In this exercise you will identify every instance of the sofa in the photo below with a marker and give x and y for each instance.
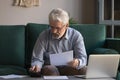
(17, 42)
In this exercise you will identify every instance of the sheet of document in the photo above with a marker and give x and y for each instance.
(12, 76)
(55, 77)
(61, 58)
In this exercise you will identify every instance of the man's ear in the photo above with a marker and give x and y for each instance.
(67, 25)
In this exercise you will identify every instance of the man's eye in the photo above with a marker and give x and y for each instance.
(52, 27)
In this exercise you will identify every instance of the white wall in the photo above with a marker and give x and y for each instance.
(16, 15)
(83, 11)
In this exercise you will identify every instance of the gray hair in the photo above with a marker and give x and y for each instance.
(59, 15)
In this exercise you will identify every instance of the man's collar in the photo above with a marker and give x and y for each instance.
(65, 35)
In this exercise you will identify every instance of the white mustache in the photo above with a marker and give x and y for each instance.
(56, 35)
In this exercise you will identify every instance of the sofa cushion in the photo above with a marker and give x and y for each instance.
(32, 32)
(12, 45)
(93, 34)
(9, 69)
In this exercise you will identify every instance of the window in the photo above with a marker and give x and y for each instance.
(109, 14)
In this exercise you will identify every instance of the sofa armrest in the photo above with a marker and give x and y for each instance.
(104, 51)
(113, 43)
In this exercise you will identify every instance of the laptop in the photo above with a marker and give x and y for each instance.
(102, 66)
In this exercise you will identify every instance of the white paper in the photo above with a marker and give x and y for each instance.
(12, 76)
(55, 77)
(61, 58)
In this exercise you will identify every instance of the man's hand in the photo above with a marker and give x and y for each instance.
(35, 69)
(74, 63)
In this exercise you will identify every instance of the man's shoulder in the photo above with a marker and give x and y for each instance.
(73, 31)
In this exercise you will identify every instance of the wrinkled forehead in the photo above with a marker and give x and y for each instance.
(56, 23)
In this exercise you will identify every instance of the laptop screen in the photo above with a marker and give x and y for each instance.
(102, 66)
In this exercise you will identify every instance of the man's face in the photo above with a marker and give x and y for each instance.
(57, 29)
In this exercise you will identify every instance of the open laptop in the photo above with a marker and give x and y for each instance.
(102, 66)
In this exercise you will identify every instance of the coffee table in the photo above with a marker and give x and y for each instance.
(41, 78)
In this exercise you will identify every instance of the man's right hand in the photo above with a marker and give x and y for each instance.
(35, 69)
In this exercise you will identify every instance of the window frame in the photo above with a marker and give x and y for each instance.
(112, 22)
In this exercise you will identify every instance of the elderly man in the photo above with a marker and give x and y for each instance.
(59, 38)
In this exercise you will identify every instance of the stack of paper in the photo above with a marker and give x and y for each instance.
(55, 77)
